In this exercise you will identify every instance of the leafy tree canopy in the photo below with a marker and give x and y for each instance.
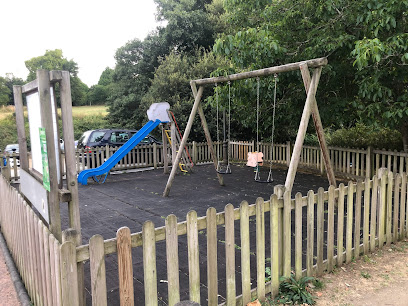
(365, 41)
(54, 60)
(106, 77)
(171, 84)
(190, 25)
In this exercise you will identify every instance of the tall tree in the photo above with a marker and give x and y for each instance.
(4, 92)
(54, 60)
(171, 84)
(365, 42)
(135, 65)
(191, 25)
(11, 80)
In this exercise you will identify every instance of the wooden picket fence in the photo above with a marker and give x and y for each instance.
(348, 163)
(341, 224)
(36, 252)
(322, 230)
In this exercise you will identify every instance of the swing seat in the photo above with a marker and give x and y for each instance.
(221, 170)
(255, 159)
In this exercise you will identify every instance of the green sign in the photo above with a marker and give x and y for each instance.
(44, 156)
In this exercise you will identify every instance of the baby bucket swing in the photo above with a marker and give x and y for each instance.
(227, 169)
(255, 159)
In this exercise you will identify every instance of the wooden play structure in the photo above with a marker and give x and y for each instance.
(171, 135)
(309, 109)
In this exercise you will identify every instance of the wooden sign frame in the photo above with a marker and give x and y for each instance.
(57, 194)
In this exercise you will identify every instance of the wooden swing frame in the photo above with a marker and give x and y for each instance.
(310, 108)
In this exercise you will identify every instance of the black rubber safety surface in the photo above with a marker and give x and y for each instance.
(130, 199)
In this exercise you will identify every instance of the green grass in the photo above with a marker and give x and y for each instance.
(83, 111)
(84, 118)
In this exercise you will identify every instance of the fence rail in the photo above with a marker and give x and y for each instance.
(349, 163)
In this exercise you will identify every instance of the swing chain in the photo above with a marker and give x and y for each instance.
(257, 170)
(228, 169)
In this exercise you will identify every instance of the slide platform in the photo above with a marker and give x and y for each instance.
(119, 154)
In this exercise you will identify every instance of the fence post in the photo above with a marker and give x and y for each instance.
(154, 155)
(71, 235)
(321, 163)
(195, 153)
(368, 162)
(288, 153)
(69, 275)
(107, 151)
(7, 169)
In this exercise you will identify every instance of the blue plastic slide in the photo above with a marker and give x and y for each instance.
(119, 154)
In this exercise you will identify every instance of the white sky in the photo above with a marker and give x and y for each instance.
(87, 31)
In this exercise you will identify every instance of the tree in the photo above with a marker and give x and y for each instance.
(135, 65)
(366, 39)
(4, 92)
(11, 80)
(106, 77)
(54, 60)
(190, 26)
(171, 84)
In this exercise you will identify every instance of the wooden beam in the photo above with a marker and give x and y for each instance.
(313, 63)
(70, 160)
(71, 173)
(208, 136)
(56, 75)
(29, 87)
(43, 78)
(319, 127)
(183, 141)
(297, 150)
(165, 146)
(173, 143)
(22, 139)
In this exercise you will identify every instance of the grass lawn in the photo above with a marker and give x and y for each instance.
(84, 118)
(77, 111)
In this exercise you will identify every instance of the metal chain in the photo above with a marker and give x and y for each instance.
(218, 134)
(257, 115)
(229, 119)
(273, 121)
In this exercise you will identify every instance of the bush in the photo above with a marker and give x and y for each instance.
(82, 124)
(359, 136)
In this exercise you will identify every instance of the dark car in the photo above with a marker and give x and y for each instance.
(111, 137)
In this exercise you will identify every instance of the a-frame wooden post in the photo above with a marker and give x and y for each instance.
(307, 110)
(208, 136)
(183, 141)
(319, 128)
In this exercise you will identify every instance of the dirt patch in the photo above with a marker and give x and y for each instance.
(380, 278)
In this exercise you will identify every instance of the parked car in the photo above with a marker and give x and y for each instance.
(10, 149)
(111, 137)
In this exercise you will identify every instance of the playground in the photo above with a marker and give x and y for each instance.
(225, 233)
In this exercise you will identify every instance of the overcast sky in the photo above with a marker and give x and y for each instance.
(87, 31)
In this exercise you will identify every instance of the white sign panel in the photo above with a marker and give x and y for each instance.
(34, 119)
(35, 192)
